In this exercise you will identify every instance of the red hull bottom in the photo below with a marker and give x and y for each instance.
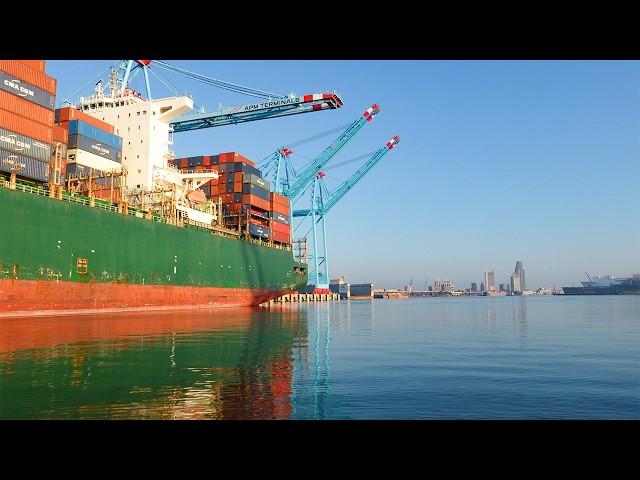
(35, 297)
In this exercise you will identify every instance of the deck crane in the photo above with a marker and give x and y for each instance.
(272, 105)
(293, 185)
(322, 201)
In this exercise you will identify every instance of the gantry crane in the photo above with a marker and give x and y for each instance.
(322, 201)
(291, 184)
(272, 105)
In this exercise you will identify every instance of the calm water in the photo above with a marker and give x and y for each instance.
(456, 358)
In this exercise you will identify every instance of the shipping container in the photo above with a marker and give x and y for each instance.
(279, 199)
(256, 180)
(19, 106)
(24, 126)
(237, 197)
(252, 189)
(258, 231)
(20, 71)
(255, 201)
(60, 134)
(227, 197)
(35, 64)
(281, 237)
(83, 128)
(214, 190)
(68, 114)
(206, 161)
(241, 167)
(93, 146)
(281, 227)
(222, 177)
(81, 171)
(215, 159)
(276, 208)
(27, 91)
(235, 157)
(278, 217)
(237, 187)
(91, 160)
(195, 161)
(184, 163)
(25, 167)
(23, 145)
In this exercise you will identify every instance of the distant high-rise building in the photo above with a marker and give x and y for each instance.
(437, 286)
(481, 286)
(489, 282)
(502, 289)
(515, 283)
(474, 287)
(520, 272)
(448, 286)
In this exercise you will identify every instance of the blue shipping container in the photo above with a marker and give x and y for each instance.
(258, 230)
(83, 128)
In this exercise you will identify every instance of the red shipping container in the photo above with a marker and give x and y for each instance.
(249, 199)
(206, 161)
(35, 64)
(281, 227)
(23, 72)
(67, 114)
(222, 178)
(227, 198)
(25, 108)
(60, 134)
(184, 163)
(214, 190)
(24, 126)
(259, 221)
(280, 237)
(280, 209)
(279, 199)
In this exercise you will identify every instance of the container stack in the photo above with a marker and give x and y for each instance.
(91, 142)
(246, 199)
(27, 102)
(280, 209)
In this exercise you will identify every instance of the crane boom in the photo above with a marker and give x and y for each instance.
(352, 181)
(279, 107)
(307, 175)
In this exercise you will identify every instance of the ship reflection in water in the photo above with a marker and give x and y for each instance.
(227, 364)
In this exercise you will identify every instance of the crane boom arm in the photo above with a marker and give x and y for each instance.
(353, 180)
(308, 174)
(279, 107)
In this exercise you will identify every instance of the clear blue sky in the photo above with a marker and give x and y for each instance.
(498, 161)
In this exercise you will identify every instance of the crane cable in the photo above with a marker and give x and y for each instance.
(218, 83)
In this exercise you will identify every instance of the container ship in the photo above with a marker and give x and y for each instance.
(99, 215)
(606, 285)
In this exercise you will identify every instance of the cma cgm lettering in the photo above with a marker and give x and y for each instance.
(27, 91)
(22, 145)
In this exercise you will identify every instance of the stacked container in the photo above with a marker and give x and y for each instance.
(280, 209)
(91, 142)
(246, 198)
(27, 101)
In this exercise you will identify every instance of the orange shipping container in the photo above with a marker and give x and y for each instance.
(222, 178)
(214, 190)
(279, 199)
(280, 237)
(255, 201)
(60, 134)
(280, 209)
(24, 126)
(24, 108)
(227, 198)
(67, 114)
(280, 227)
(237, 187)
(23, 72)
(35, 64)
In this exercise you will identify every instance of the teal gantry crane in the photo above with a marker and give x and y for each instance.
(293, 184)
(322, 200)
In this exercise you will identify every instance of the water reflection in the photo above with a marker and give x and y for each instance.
(218, 365)
(520, 317)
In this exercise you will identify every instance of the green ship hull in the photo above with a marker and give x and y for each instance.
(59, 255)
